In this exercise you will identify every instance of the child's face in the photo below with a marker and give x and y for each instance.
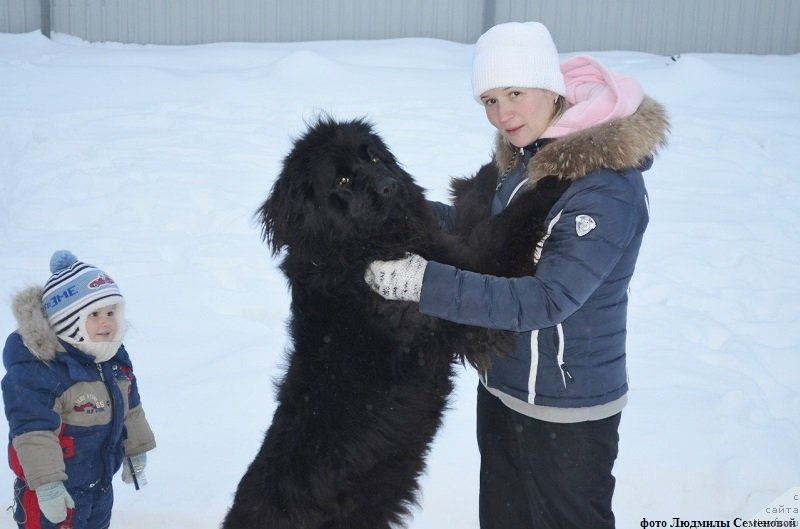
(101, 325)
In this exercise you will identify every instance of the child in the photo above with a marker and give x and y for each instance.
(71, 400)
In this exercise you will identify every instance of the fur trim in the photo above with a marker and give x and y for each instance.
(614, 145)
(36, 333)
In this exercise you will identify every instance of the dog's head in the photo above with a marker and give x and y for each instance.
(342, 190)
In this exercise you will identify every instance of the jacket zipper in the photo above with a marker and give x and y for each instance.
(115, 404)
(566, 376)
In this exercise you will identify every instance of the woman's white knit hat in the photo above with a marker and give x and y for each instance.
(520, 54)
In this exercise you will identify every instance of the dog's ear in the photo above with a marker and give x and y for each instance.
(277, 215)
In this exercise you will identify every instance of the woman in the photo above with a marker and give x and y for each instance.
(549, 412)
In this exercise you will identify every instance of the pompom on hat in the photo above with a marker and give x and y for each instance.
(519, 54)
(75, 290)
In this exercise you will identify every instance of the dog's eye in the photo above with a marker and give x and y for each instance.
(343, 180)
(368, 154)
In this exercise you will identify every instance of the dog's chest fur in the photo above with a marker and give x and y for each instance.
(504, 245)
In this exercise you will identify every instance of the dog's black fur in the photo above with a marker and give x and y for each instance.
(503, 245)
(368, 379)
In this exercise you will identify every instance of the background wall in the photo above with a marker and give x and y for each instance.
(656, 26)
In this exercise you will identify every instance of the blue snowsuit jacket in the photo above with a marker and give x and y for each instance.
(70, 419)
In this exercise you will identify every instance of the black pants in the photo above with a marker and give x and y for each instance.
(543, 475)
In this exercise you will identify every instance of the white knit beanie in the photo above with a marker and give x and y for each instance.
(520, 54)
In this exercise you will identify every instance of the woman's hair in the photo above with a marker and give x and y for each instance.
(559, 107)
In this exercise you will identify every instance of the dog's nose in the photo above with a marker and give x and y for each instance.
(387, 186)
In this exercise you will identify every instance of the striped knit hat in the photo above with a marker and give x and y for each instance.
(75, 290)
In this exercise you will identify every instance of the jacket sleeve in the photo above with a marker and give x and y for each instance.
(138, 435)
(29, 394)
(570, 269)
(40, 456)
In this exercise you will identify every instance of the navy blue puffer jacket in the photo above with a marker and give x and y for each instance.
(571, 315)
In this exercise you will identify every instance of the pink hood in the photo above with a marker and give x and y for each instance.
(596, 95)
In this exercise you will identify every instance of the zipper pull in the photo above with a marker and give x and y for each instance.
(100, 370)
(568, 375)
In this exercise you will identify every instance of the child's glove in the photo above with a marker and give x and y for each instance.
(137, 477)
(397, 280)
(54, 500)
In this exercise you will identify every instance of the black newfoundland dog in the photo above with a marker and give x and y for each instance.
(367, 379)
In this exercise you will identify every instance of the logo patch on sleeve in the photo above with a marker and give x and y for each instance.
(584, 224)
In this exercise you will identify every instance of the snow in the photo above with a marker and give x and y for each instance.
(150, 161)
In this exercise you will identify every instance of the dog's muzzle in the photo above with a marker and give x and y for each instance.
(386, 186)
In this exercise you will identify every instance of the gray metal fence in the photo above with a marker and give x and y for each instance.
(655, 26)
(20, 16)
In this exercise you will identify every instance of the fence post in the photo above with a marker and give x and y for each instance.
(45, 8)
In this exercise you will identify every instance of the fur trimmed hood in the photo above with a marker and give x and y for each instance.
(33, 327)
(615, 145)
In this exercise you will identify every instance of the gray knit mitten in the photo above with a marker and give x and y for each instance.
(54, 500)
(133, 470)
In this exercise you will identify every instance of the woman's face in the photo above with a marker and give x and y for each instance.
(520, 114)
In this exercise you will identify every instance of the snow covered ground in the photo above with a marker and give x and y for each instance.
(150, 161)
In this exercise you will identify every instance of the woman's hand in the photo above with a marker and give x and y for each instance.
(398, 280)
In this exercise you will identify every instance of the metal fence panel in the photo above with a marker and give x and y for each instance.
(657, 26)
(201, 21)
(664, 26)
(20, 16)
